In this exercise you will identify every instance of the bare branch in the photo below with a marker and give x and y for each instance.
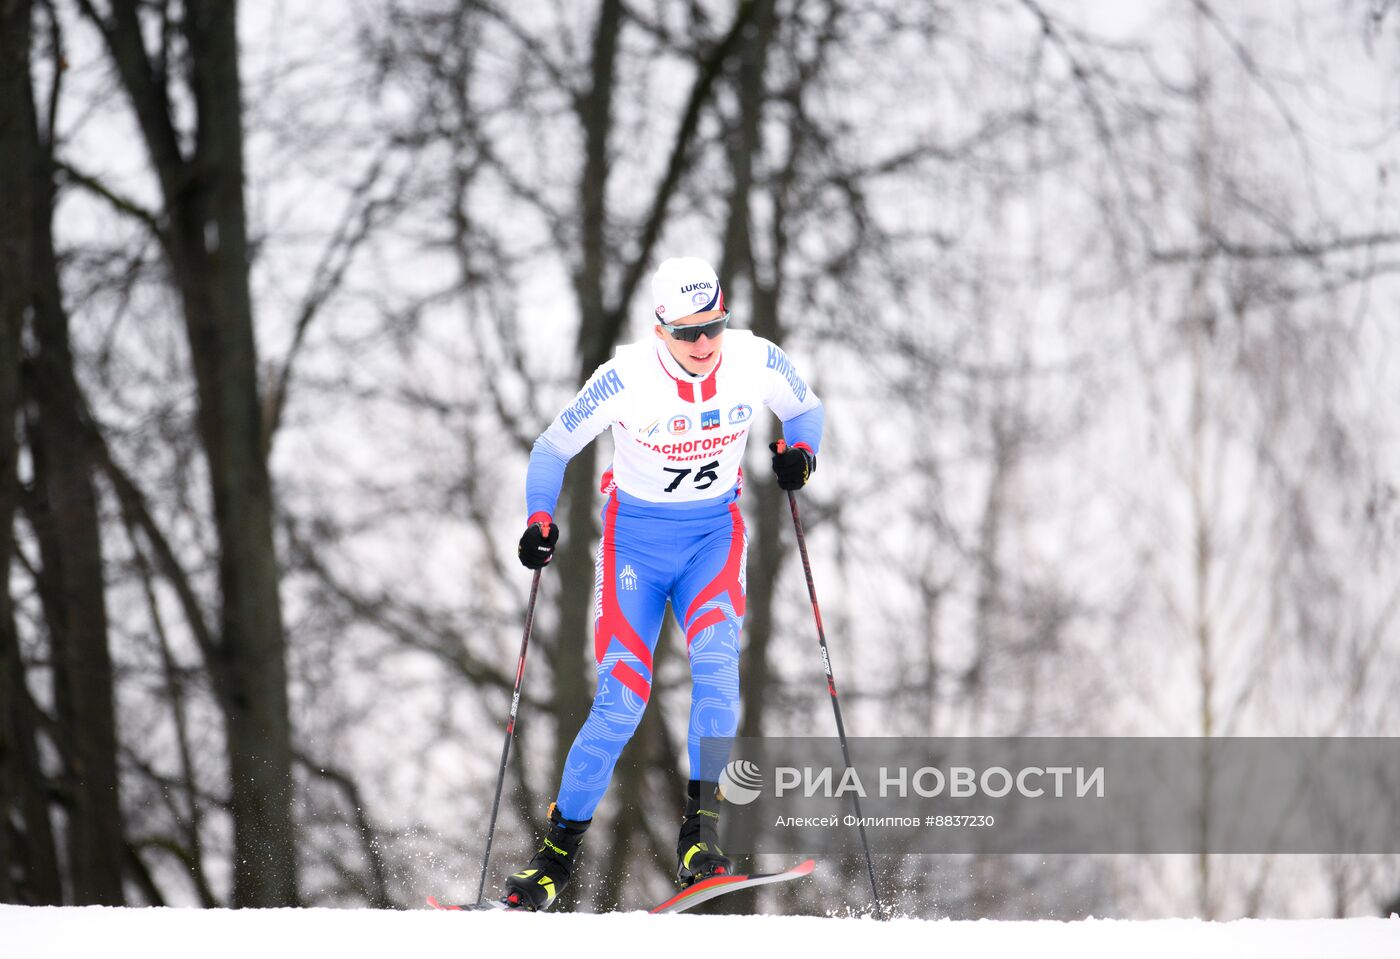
(360, 217)
(1217, 246)
(122, 204)
(682, 154)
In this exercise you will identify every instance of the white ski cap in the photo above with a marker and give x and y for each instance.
(682, 286)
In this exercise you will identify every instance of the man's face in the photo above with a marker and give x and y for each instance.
(701, 356)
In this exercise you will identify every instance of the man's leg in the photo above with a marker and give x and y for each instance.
(709, 599)
(629, 603)
(631, 579)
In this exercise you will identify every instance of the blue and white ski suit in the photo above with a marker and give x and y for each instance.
(672, 530)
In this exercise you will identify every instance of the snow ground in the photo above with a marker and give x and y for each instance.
(49, 933)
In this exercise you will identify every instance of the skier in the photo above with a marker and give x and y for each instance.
(680, 405)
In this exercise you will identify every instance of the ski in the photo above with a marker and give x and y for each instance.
(486, 905)
(690, 896)
(707, 889)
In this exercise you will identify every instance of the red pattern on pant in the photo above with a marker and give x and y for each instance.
(727, 581)
(611, 622)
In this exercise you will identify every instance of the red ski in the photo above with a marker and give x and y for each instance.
(707, 889)
(483, 906)
(702, 891)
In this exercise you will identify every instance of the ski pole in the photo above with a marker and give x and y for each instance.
(510, 731)
(831, 687)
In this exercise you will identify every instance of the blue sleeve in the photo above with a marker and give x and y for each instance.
(544, 477)
(592, 410)
(806, 428)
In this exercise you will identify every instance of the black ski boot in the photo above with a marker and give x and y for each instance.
(698, 855)
(542, 881)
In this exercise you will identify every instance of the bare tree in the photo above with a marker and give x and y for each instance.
(202, 230)
(27, 848)
(62, 509)
(1099, 371)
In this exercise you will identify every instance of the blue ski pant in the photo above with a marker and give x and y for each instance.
(694, 556)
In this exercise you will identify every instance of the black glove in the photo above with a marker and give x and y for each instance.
(793, 465)
(536, 546)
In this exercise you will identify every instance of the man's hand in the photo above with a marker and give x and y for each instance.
(537, 544)
(793, 465)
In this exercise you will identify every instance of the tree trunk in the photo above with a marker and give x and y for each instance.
(65, 518)
(219, 324)
(571, 661)
(27, 849)
(737, 262)
(206, 244)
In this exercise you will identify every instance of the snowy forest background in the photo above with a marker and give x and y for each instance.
(1100, 298)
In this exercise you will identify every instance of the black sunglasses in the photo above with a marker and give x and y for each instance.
(693, 332)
